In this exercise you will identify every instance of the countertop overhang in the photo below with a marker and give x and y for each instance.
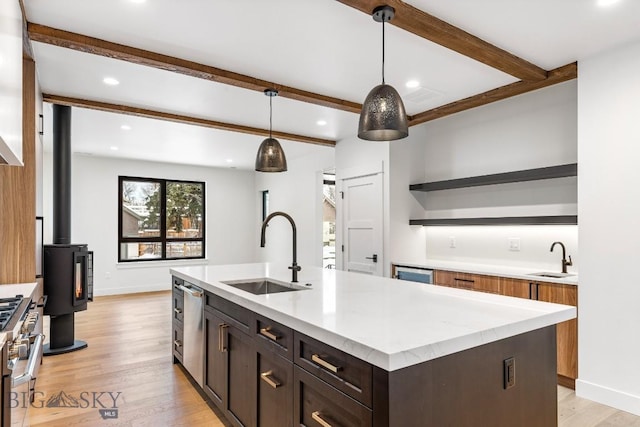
(389, 323)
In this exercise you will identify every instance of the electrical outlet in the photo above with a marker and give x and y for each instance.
(452, 242)
(107, 275)
(513, 243)
(509, 368)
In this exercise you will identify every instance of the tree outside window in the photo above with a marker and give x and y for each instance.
(160, 219)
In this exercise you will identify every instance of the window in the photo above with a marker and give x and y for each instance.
(160, 219)
(265, 204)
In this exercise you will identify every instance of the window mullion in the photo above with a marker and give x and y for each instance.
(163, 221)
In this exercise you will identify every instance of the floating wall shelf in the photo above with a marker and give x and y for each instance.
(561, 171)
(509, 220)
(551, 172)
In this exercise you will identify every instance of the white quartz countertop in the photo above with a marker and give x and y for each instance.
(495, 270)
(389, 323)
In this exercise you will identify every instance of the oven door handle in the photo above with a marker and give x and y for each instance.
(34, 359)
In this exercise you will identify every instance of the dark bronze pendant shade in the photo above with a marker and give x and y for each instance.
(270, 157)
(383, 117)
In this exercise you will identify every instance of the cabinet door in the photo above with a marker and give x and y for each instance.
(566, 332)
(275, 390)
(241, 380)
(515, 287)
(215, 375)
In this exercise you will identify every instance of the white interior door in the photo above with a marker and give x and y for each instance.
(362, 224)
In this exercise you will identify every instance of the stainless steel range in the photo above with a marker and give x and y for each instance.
(21, 358)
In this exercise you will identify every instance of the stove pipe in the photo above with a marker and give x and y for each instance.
(61, 174)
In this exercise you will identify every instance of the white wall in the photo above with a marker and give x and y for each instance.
(230, 207)
(533, 130)
(297, 192)
(609, 209)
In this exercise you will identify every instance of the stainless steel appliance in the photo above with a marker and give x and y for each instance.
(414, 274)
(193, 339)
(21, 358)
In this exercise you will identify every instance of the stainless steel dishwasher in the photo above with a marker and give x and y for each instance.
(193, 339)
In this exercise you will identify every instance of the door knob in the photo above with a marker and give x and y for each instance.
(374, 257)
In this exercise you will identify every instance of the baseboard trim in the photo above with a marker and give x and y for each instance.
(608, 396)
(133, 289)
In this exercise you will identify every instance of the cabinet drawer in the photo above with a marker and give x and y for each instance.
(177, 341)
(274, 336)
(454, 279)
(178, 305)
(318, 404)
(234, 314)
(275, 390)
(348, 374)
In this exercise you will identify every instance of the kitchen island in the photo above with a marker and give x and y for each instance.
(375, 351)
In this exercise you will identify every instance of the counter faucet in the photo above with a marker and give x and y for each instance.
(294, 265)
(565, 263)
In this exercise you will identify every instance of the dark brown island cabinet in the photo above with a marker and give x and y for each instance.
(567, 332)
(262, 373)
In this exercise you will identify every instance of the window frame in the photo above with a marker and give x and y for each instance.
(162, 238)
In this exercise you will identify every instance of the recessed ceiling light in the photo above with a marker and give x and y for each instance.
(125, 127)
(412, 84)
(110, 81)
(113, 148)
(137, 1)
(229, 160)
(607, 3)
(321, 122)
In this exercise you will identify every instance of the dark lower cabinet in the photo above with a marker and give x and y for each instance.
(215, 367)
(275, 390)
(241, 383)
(229, 369)
(316, 403)
(258, 379)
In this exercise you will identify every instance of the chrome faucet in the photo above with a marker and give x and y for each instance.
(565, 263)
(294, 265)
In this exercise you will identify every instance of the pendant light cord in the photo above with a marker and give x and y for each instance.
(270, 113)
(383, 51)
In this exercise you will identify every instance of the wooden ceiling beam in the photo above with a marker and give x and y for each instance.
(558, 75)
(82, 43)
(178, 118)
(440, 32)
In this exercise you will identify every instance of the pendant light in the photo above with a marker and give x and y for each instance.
(383, 117)
(270, 157)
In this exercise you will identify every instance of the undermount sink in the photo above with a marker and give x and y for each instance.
(554, 275)
(263, 286)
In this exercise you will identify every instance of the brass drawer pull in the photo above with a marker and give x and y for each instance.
(222, 337)
(177, 343)
(317, 418)
(267, 333)
(266, 377)
(325, 364)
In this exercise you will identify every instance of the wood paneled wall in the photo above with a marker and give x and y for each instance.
(17, 195)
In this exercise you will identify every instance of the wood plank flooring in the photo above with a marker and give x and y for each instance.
(129, 353)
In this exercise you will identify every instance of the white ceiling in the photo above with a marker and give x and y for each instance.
(320, 46)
